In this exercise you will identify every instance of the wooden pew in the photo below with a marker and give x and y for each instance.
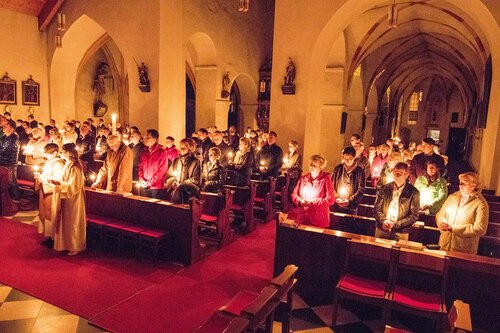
(242, 207)
(265, 197)
(180, 220)
(320, 254)
(459, 318)
(368, 199)
(494, 216)
(491, 198)
(494, 206)
(493, 230)
(281, 193)
(215, 216)
(25, 177)
(370, 190)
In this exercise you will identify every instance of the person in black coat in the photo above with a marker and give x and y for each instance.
(270, 158)
(214, 174)
(183, 179)
(397, 206)
(239, 169)
(9, 154)
(137, 147)
(86, 147)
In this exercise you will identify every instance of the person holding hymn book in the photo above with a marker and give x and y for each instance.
(463, 218)
(52, 169)
(314, 194)
(214, 174)
(68, 204)
(183, 181)
(397, 206)
(117, 168)
(433, 189)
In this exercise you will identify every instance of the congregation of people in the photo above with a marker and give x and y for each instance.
(410, 179)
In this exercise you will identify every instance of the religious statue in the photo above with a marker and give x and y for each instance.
(226, 85)
(143, 74)
(99, 86)
(143, 77)
(289, 87)
(290, 73)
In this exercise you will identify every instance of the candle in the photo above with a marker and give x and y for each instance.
(262, 163)
(59, 19)
(425, 197)
(92, 177)
(390, 179)
(126, 142)
(113, 123)
(343, 192)
(392, 213)
(35, 169)
(176, 175)
(247, 135)
(230, 155)
(375, 170)
(78, 148)
(285, 160)
(28, 150)
(258, 148)
(307, 193)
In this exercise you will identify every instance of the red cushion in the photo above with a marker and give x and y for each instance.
(208, 218)
(215, 324)
(360, 285)
(100, 219)
(117, 225)
(134, 229)
(417, 299)
(26, 182)
(239, 302)
(153, 233)
(256, 199)
(96, 222)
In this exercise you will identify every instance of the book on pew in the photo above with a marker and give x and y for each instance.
(410, 245)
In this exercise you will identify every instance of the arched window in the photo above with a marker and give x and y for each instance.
(415, 99)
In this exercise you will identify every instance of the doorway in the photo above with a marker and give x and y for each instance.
(190, 108)
(234, 108)
(456, 143)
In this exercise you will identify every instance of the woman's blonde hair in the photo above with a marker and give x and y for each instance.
(472, 178)
(320, 159)
(216, 151)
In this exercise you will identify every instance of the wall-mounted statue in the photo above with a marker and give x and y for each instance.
(226, 85)
(143, 77)
(99, 88)
(289, 87)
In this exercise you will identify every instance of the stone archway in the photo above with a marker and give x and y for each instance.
(247, 88)
(349, 11)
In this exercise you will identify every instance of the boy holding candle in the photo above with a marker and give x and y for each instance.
(52, 169)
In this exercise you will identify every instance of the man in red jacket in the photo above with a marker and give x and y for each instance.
(152, 167)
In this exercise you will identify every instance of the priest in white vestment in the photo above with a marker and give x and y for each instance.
(68, 204)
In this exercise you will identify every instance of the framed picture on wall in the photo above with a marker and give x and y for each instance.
(8, 93)
(31, 92)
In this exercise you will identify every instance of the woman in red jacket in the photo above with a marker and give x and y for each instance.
(314, 194)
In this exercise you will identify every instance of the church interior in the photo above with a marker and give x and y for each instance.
(314, 74)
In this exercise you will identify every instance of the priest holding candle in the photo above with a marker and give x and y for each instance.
(397, 206)
(463, 218)
(314, 194)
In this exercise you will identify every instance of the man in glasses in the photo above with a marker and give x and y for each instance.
(397, 206)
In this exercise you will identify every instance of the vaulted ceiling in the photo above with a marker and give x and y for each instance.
(432, 39)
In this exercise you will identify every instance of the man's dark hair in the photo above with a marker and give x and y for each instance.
(273, 133)
(33, 124)
(349, 151)
(86, 123)
(170, 138)
(11, 123)
(357, 136)
(51, 148)
(429, 141)
(7, 113)
(153, 133)
(401, 166)
(203, 130)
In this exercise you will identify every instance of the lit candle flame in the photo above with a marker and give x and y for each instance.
(36, 168)
(28, 150)
(92, 177)
(138, 185)
(307, 193)
(343, 192)
(262, 163)
(126, 142)
(230, 155)
(285, 160)
(392, 213)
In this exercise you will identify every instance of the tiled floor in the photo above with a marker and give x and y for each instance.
(21, 313)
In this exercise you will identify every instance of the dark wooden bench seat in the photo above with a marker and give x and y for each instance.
(242, 206)
(215, 216)
(265, 197)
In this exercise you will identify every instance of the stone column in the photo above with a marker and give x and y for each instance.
(206, 95)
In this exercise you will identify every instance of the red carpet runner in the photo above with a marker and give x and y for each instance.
(121, 295)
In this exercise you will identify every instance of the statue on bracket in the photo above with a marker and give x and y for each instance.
(143, 77)
(226, 85)
(289, 87)
(99, 88)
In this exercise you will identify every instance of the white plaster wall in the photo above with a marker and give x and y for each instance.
(23, 52)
